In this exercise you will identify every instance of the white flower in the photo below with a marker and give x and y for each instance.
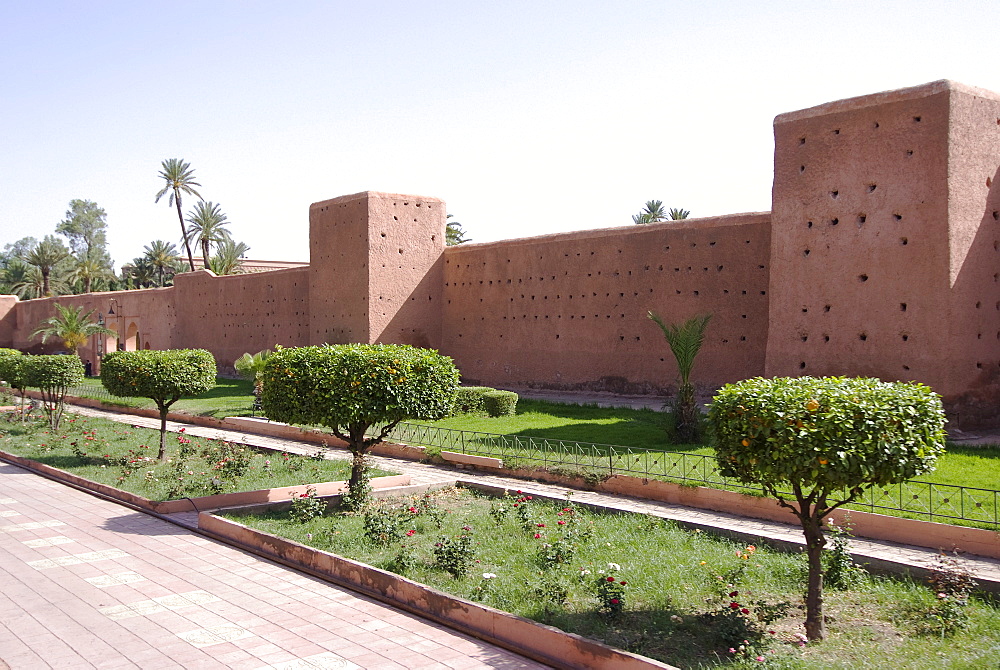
(489, 575)
(614, 566)
(584, 571)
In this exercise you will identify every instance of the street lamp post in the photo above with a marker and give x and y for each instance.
(121, 320)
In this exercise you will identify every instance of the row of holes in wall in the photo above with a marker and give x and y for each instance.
(579, 254)
(621, 338)
(690, 269)
(634, 294)
(836, 130)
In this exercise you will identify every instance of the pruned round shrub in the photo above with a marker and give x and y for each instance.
(838, 431)
(163, 376)
(500, 403)
(52, 375)
(12, 367)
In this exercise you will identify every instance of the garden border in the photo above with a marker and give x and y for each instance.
(529, 638)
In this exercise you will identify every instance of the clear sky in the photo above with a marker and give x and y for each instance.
(525, 117)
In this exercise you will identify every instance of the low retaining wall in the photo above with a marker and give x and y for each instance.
(529, 638)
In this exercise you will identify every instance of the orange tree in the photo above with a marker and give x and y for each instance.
(53, 376)
(816, 444)
(163, 376)
(359, 391)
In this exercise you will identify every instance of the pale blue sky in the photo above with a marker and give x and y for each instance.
(526, 117)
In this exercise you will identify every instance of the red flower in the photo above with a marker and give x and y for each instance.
(734, 594)
(745, 611)
(734, 606)
(540, 525)
(614, 601)
(611, 579)
(537, 535)
(623, 582)
(410, 533)
(561, 523)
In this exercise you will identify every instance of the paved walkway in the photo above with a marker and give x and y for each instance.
(86, 583)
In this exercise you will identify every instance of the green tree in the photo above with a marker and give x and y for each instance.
(162, 256)
(46, 256)
(53, 376)
(454, 234)
(87, 272)
(676, 214)
(21, 279)
(206, 226)
(163, 376)
(228, 258)
(654, 212)
(85, 226)
(71, 325)
(251, 366)
(179, 178)
(685, 342)
(827, 440)
(354, 389)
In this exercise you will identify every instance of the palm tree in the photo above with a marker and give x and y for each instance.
(678, 214)
(228, 257)
(161, 255)
(72, 326)
(208, 225)
(20, 279)
(88, 271)
(49, 253)
(685, 341)
(179, 178)
(142, 273)
(453, 233)
(251, 366)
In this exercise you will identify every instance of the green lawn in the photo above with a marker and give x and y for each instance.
(974, 467)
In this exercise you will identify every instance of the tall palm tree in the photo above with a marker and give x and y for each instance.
(18, 277)
(207, 226)
(49, 253)
(142, 272)
(88, 271)
(685, 341)
(179, 178)
(228, 257)
(161, 255)
(678, 214)
(72, 326)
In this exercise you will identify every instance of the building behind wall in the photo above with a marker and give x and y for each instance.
(879, 257)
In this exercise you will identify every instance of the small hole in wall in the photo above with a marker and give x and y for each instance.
(863, 336)
(805, 310)
(909, 152)
(826, 308)
(996, 215)
(876, 124)
(802, 140)
(872, 187)
(861, 220)
(802, 168)
(804, 338)
(863, 278)
(400, 251)
(826, 338)
(834, 222)
(836, 131)
(809, 224)
(979, 336)
(906, 338)
(906, 367)
(989, 182)
(916, 119)
(834, 194)
(978, 304)
(902, 307)
(802, 365)
(898, 217)
(383, 234)
(904, 241)
(979, 365)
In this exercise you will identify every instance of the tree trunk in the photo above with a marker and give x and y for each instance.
(162, 456)
(815, 541)
(184, 232)
(204, 252)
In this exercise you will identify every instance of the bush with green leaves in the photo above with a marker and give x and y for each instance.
(12, 370)
(355, 388)
(484, 400)
(53, 376)
(816, 444)
(163, 376)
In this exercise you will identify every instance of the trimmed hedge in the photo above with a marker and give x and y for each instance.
(484, 400)
(12, 368)
(500, 403)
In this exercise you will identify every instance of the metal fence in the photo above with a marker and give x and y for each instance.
(916, 499)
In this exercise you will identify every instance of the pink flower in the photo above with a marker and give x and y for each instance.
(182, 430)
(561, 523)
(540, 525)
(537, 535)
(410, 533)
(614, 601)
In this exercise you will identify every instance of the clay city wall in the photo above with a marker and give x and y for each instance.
(881, 257)
(569, 311)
